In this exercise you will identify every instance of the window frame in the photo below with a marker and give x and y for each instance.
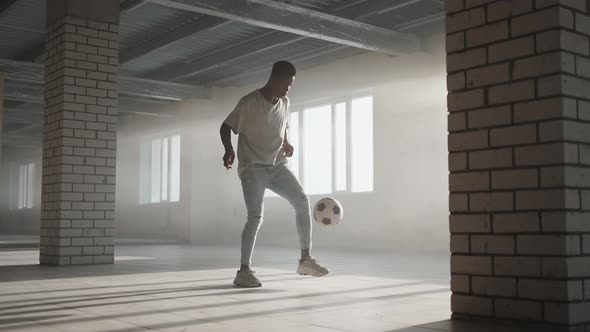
(22, 188)
(347, 100)
(147, 139)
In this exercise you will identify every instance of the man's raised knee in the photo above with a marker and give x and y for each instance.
(255, 218)
(302, 201)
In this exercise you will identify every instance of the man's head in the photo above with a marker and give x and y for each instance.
(281, 78)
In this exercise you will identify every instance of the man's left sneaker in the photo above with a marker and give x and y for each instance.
(309, 266)
(246, 278)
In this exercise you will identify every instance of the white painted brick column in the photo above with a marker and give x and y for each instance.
(519, 160)
(79, 142)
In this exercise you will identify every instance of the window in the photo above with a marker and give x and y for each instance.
(317, 155)
(340, 155)
(159, 174)
(294, 141)
(22, 186)
(361, 128)
(293, 137)
(334, 146)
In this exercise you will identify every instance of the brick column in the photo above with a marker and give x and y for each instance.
(519, 160)
(79, 135)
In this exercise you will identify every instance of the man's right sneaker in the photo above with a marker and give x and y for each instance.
(246, 278)
(310, 266)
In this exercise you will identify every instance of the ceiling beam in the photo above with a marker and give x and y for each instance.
(153, 89)
(299, 58)
(30, 72)
(192, 26)
(421, 21)
(36, 53)
(23, 71)
(22, 141)
(258, 44)
(143, 107)
(26, 126)
(197, 24)
(160, 115)
(127, 6)
(135, 89)
(5, 5)
(25, 116)
(219, 58)
(33, 113)
(32, 94)
(301, 21)
(372, 7)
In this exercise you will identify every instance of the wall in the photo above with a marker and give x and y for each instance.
(410, 174)
(160, 220)
(410, 196)
(19, 221)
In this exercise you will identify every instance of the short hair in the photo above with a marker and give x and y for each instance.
(283, 69)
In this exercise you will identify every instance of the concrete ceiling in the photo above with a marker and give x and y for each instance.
(175, 49)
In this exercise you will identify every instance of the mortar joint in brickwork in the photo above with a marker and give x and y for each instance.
(493, 261)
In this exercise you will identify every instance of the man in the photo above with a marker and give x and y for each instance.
(261, 121)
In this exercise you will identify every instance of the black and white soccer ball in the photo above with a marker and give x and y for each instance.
(328, 212)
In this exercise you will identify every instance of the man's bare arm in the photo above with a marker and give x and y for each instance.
(229, 155)
(225, 133)
(288, 148)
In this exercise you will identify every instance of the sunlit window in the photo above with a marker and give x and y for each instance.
(361, 138)
(159, 173)
(340, 160)
(317, 155)
(294, 141)
(22, 186)
(333, 146)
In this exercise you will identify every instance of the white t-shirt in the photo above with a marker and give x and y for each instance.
(261, 127)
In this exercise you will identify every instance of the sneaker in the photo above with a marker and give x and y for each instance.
(246, 278)
(309, 266)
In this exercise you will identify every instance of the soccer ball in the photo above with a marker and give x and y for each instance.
(328, 212)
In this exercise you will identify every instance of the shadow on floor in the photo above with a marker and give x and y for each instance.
(127, 294)
(451, 325)
(220, 319)
(142, 284)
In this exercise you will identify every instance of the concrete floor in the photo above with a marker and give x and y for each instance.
(188, 288)
(32, 241)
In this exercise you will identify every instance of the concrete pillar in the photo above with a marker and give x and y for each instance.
(79, 134)
(519, 157)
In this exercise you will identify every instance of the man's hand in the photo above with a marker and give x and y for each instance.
(288, 149)
(228, 158)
